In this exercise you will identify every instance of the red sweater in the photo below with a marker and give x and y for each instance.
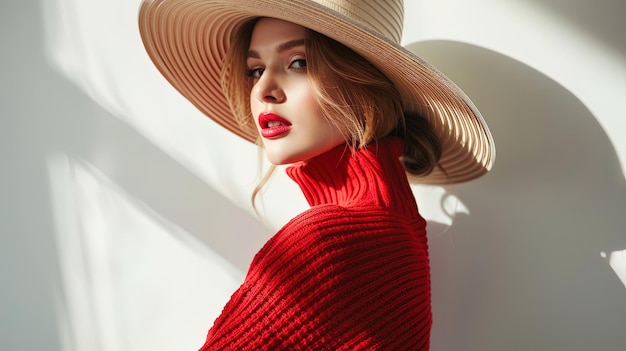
(350, 273)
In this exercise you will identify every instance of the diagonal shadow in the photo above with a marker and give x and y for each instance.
(525, 270)
(154, 178)
(44, 114)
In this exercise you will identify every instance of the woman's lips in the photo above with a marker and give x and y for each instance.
(273, 125)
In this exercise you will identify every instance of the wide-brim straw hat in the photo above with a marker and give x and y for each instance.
(187, 41)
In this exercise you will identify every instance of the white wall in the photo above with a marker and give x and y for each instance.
(125, 224)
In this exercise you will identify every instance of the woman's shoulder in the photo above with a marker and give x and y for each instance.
(319, 217)
(334, 219)
(343, 233)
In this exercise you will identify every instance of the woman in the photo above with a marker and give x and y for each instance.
(324, 87)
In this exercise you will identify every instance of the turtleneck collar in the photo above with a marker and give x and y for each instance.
(372, 176)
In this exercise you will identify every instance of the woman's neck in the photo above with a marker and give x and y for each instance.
(372, 176)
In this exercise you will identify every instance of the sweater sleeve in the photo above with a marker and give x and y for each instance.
(332, 279)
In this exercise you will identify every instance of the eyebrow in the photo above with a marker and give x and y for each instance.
(282, 47)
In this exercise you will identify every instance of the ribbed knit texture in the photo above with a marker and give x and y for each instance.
(350, 273)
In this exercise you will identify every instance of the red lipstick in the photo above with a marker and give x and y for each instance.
(273, 125)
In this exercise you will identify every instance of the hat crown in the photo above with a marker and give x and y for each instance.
(381, 16)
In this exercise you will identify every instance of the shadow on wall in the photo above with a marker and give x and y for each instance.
(524, 271)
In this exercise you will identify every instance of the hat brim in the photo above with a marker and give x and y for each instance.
(187, 41)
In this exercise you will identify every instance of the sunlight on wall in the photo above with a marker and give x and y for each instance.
(110, 65)
(128, 275)
(439, 204)
(617, 261)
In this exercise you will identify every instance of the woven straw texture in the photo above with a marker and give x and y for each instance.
(187, 40)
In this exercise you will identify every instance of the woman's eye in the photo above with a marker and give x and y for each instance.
(298, 64)
(255, 73)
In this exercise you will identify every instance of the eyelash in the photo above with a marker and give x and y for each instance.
(253, 73)
(299, 60)
(258, 72)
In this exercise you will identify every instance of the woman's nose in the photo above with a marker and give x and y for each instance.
(268, 89)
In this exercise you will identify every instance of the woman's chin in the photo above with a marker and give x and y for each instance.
(279, 160)
(282, 156)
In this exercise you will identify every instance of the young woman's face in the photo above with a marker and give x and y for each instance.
(282, 100)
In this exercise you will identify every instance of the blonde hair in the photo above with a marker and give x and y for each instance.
(354, 95)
